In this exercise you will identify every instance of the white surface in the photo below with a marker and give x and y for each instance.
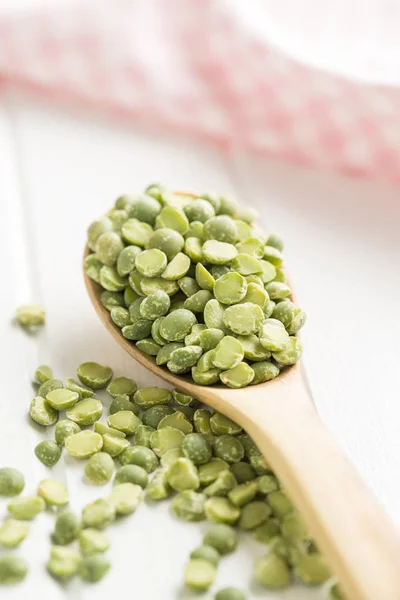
(60, 170)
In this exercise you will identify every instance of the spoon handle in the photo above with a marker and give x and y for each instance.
(350, 526)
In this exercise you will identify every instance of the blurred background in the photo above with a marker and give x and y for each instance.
(292, 106)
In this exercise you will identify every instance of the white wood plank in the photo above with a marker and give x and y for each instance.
(73, 166)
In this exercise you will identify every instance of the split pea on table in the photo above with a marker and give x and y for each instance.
(193, 289)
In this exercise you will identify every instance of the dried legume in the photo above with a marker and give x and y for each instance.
(12, 482)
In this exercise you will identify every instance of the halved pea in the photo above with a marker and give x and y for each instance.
(209, 471)
(138, 331)
(110, 279)
(135, 281)
(214, 315)
(199, 574)
(42, 413)
(230, 288)
(126, 260)
(98, 514)
(177, 268)
(205, 377)
(178, 421)
(193, 248)
(189, 506)
(273, 255)
(228, 353)
(153, 284)
(273, 335)
(197, 301)
(290, 354)
(264, 371)
(102, 429)
(151, 263)
(64, 429)
(86, 412)
(268, 271)
(53, 492)
(148, 346)
(221, 510)
(253, 350)
(48, 452)
(111, 299)
(137, 233)
(155, 305)
(26, 508)
(121, 386)
(83, 444)
(243, 319)
(108, 247)
(13, 532)
(252, 247)
(155, 332)
(257, 295)
(166, 239)
(92, 266)
(189, 286)
(152, 396)
(218, 253)
(221, 425)
(199, 210)
(94, 375)
(159, 488)
(96, 228)
(62, 399)
(122, 403)
(224, 483)
(228, 448)
(221, 228)
(165, 352)
(172, 218)
(124, 421)
(177, 325)
(183, 475)
(238, 376)
(196, 229)
(246, 265)
(126, 497)
(144, 207)
(170, 456)
(43, 373)
(204, 278)
(166, 438)
(205, 362)
(92, 541)
(193, 338)
(210, 338)
(129, 296)
(184, 358)
(82, 392)
(243, 230)
(183, 399)
(112, 445)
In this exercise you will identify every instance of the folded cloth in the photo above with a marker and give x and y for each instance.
(192, 67)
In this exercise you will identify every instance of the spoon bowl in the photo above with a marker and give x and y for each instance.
(347, 522)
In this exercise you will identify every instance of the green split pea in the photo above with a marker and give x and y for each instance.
(196, 284)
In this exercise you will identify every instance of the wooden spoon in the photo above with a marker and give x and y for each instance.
(349, 525)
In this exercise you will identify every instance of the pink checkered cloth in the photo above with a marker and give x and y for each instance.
(189, 67)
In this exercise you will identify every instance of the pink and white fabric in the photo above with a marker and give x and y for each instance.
(189, 67)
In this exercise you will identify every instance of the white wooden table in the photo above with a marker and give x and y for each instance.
(59, 170)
